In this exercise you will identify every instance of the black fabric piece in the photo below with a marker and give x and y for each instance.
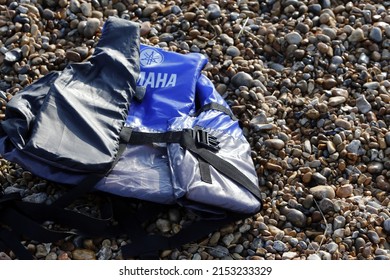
(74, 120)
(204, 169)
(9, 240)
(84, 224)
(131, 222)
(24, 226)
(217, 107)
(124, 139)
(221, 165)
(154, 243)
(87, 185)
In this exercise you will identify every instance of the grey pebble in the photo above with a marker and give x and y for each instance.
(242, 79)
(213, 11)
(363, 105)
(386, 225)
(233, 51)
(280, 246)
(218, 251)
(376, 34)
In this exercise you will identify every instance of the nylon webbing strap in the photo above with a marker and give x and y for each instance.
(217, 107)
(139, 138)
(204, 170)
(85, 224)
(8, 238)
(221, 165)
(193, 232)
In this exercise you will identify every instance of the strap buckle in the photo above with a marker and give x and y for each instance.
(205, 139)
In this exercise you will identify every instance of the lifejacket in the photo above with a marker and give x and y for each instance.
(138, 122)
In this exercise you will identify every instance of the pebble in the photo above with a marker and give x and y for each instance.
(293, 38)
(375, 167)
(279, 246)
(323, 191)
(289, 255)
(83, 254)
(376, 34)
(233, 51)
(242, 79)
(386, 225)
(319, 178)
(163, 225)
(357, 35)
(363, 105)
(213, 11)
(275, 144)
(343, 123)
(296, 217)
(91, 27)
(313, 257)
(13, 55)
(344, 191)
(219, 251)
(373, 236)
(336, 100)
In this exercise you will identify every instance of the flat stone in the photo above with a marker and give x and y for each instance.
(296, 217)
(375, 167)
(289, 255)
(275, 144)
(233, 51)
(91, 27)
(344, 191)
(319, 178)
(371, 85)
(242, 79)
(387, 138)
(386, 225)
(357, 35)
(83, 254)
(218, 251)
(293, 38)
(13, 55)
(339, 222)
(329, 83)
(74, 6)
(354, 146)
(336, 100)
(323, 191)
(343, 123)
(376, 35)
(214, 238)
(363, 105)
(274, 167)
(326, 205)
(280, 246)
(163, 225)
(73, 56)
(373, 236)
(314, 257)
(213, 11)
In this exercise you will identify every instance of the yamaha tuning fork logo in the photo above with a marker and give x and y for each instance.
(150, 57)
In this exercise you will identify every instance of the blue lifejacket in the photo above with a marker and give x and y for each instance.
(165, 173)
(135, 121)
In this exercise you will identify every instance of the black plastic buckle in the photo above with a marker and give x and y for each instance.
(204, 139)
